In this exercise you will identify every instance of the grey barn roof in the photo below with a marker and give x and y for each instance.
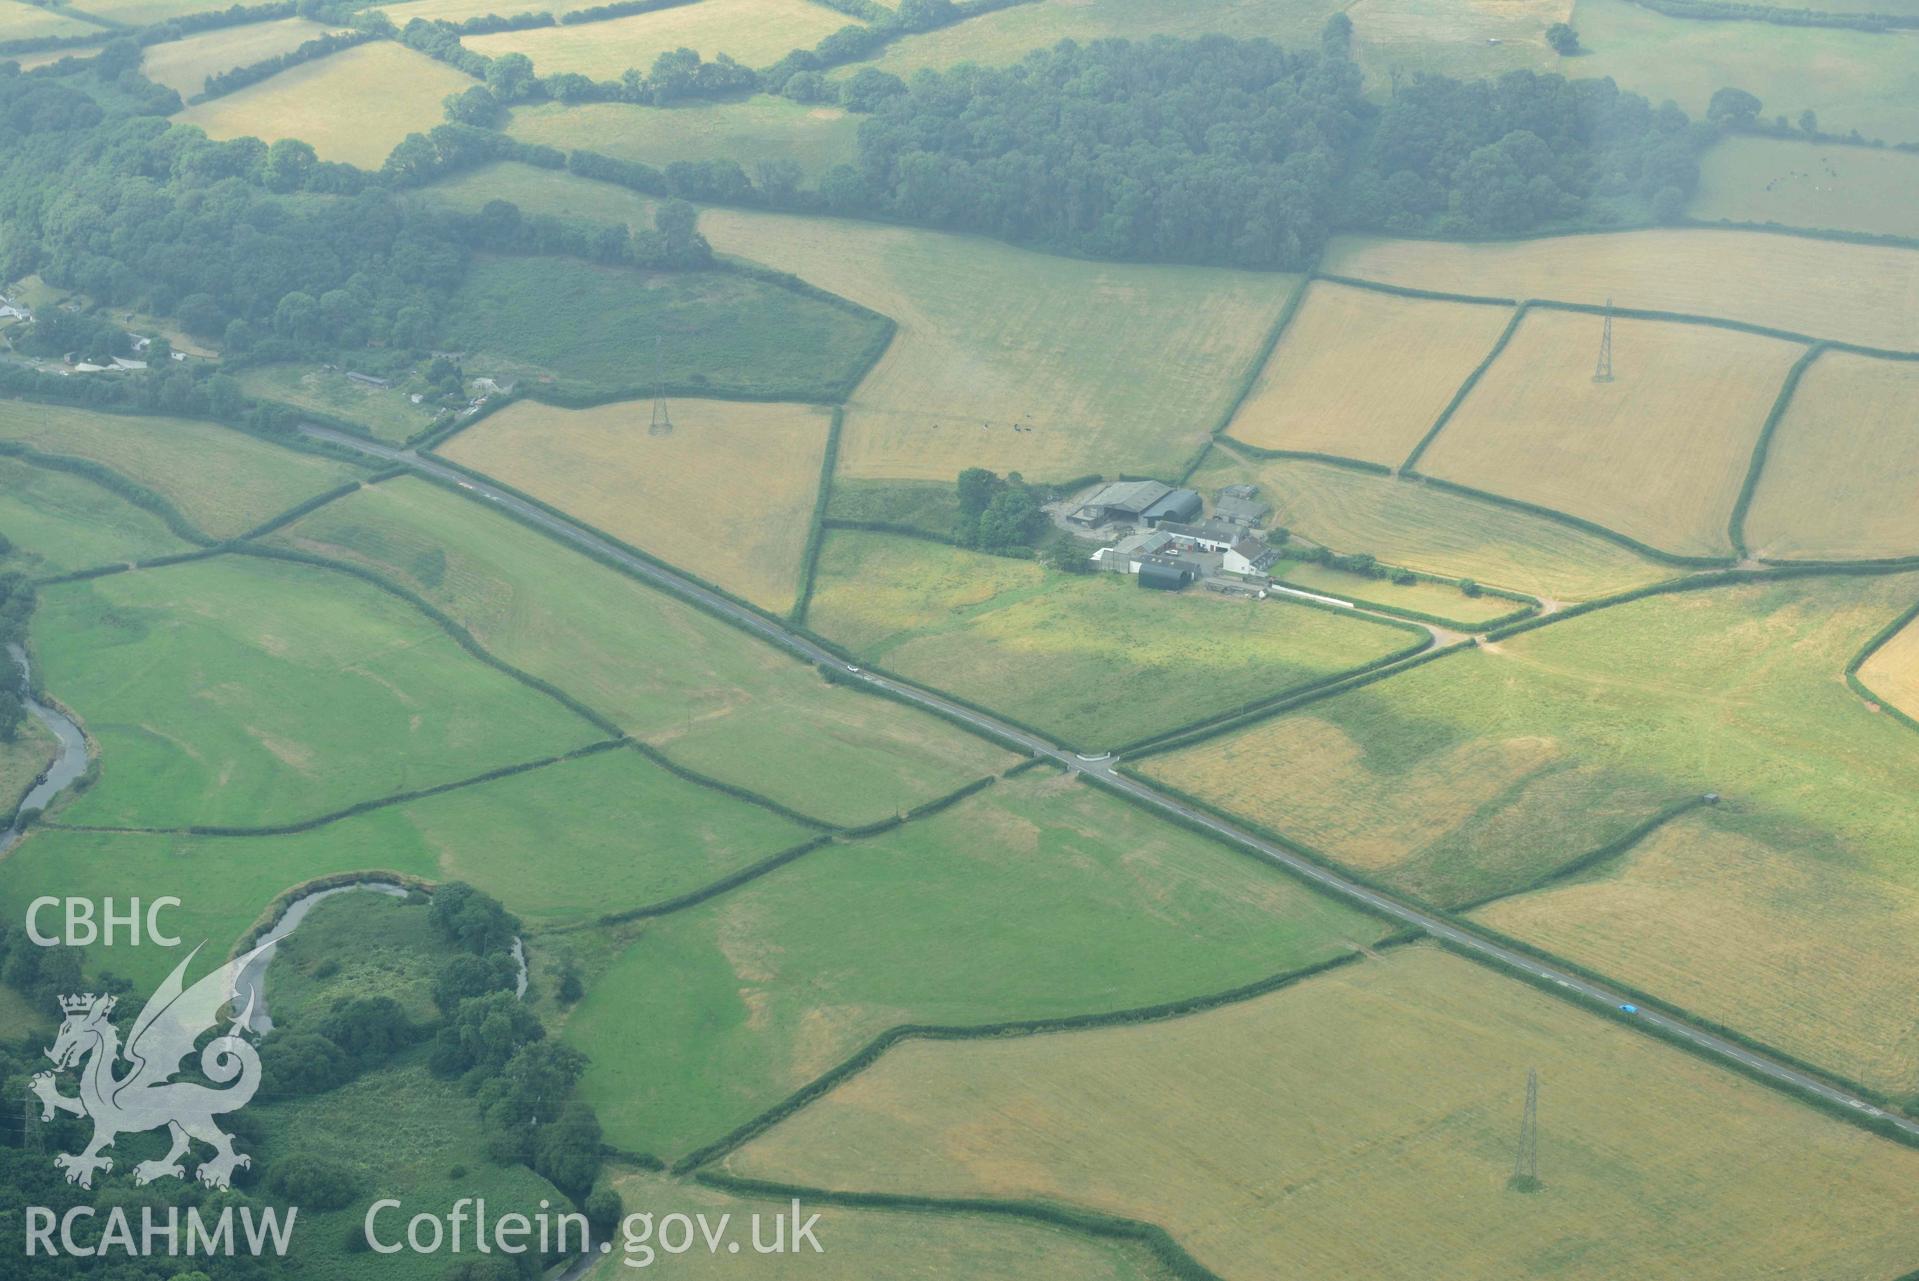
(1177, 505)
(1129, 495)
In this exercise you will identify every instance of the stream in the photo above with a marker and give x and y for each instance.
(253, 979)
(69, 765)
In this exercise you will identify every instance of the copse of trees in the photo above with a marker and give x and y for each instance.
(1001, 516)
(1211, 150)
(1502, 157)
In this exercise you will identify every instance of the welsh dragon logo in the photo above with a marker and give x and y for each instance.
(145, 1097)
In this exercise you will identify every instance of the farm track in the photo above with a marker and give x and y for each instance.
(1470, 941)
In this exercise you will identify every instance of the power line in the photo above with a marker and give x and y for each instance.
(662, 424)
(1602, 372)
(1526, 1164)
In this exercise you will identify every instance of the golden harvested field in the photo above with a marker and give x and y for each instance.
(185, 64)
(1325, 390)
(140, 13)
(1714, 921)
(729, 494)
(1838, 482)
(20, 21)
(875, 1245)
(1408, 523)
(1362, 1124)
(223, 480)
(753, 32)
(1893, 671)
(1463, 38)
(1658, 454)
(1827, 289)
(1809, 184)
(1019, 361)
(353, 106)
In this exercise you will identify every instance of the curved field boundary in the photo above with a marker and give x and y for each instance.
(1864, 656)
(772, 863)
(1527, 605)
(1351, 680)
(767, 803)
(1884, 1128)
(358, 807)
(1411, 291)
(1592, 858)
(127, 491)
(1736, 526)
(461, 636)
(1577, 522)
(1296, 694)
(1234, 445)
(1466, 387)
(156, 562)
(879, 1045)
(1166, 1251)
(816, 535)
(1254, 368)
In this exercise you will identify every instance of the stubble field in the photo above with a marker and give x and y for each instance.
(1324, 390)
(184, 65)
(728, 493)
(1658, 454)
(1362, 1123)
(752, 32)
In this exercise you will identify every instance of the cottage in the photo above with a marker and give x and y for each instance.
(1249, 556)
(1209, 535)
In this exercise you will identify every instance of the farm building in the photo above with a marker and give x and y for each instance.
(1249, 556)
(1240, 505)
(1178, 506)
(1213, 535)
(1121, 500)
(1164, 576)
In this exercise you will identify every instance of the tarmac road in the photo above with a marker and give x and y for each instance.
(1485, 948)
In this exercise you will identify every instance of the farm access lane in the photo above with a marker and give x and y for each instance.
(1471, 941)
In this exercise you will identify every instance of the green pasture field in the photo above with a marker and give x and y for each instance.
(679, 495)
(1822, 288)
(1425, 528)
(1484, 772)
(861, 1244)
(715, 700)
(1838, 482)
(354, 106)
(404, 1133)
(542, 191)
(225, 884)
(59, 522)
(1362, 1124)
(1005, 36)
(929, 506)
(594, 328)
(1321, 390)
(1809, 184)
(603, 833)
(1658, 453)
(222, 480)
(358, 944)
(20, 21)
(1021, 361)
(1069, 901)
(1853, 79)
(1090, 659)
(184, 65)
(753, 32)
(386, 412)
(246, 692)
(759, 129)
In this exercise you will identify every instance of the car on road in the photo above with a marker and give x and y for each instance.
(1629, 1009)
(852, 669)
